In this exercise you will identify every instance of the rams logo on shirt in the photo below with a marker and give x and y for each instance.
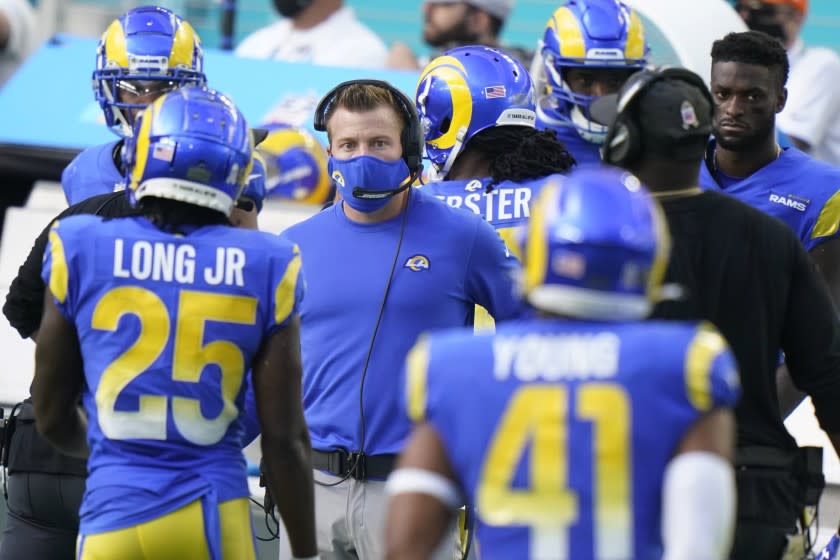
(417, 263)
(791, 201)
(474, 185)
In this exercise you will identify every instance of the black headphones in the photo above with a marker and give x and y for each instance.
(412, 135)
(624, 141)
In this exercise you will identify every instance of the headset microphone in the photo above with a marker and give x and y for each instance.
(368, 194)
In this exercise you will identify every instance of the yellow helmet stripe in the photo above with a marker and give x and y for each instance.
(141, 143)
(536, 251)
(462, 107)
(567, 28)
(439, 62)
(635, 46)
(115, 46)
(183, 46)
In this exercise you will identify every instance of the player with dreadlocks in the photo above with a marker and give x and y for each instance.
(478, 109)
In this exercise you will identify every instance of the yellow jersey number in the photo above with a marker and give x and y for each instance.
(538, 415)
(190, 357)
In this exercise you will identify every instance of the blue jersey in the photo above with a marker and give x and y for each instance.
(92, 172)
(796, 188)
(560, 432)
(506, 207)
(584, 152)
(168, 325)
(449, 260)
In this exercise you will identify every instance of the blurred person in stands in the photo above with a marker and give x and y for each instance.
(749, 276)
(576, 434)
(167, 478)
(324, 32)
(811, 117)
(589, 49)
(143, 54)
(17, 35)
(449, 24)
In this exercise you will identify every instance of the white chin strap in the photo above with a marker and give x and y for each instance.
(588, 130)
(456, 149)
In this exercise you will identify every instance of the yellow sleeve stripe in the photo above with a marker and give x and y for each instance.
(829, 218)
(284, 294)
(703, 349)
(417, 373)
(58, 266)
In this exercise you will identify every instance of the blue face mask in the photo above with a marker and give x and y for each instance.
(372, 174)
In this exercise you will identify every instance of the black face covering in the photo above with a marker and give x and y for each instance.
(291, 8)
(764, 19)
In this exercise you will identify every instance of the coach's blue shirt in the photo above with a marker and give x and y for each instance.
(449, 260)
(91, 173)
(796, 188)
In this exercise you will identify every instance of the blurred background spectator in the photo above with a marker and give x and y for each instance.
(17, 35)
(448, 24)
(319, 32)
(811, 118)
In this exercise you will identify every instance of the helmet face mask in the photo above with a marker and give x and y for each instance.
(143, 54)
(467, 90)
(605, 38)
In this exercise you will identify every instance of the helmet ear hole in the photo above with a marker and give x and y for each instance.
(445, 124)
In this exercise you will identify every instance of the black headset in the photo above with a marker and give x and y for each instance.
(412, 135)
(624, 141)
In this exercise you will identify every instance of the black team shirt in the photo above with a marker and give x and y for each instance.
(748, 274)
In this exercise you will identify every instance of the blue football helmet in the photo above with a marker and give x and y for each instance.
(192, 145)
(596, 246)
(296, 165)
(142, 54)
(467, 90)
(595, 34)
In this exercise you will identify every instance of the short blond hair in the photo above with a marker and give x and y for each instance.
(359, 98)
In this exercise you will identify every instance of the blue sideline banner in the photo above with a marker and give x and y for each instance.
(49, 101)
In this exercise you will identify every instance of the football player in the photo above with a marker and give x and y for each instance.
(749, 72)
(154, 321)
(589, 49)
(577, 434)
(143, 54)
(477, 108)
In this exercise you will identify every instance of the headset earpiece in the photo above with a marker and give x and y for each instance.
(623, 143)
(412, 135)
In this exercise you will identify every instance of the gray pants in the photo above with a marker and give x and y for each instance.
(350, 522)
(43, 516)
